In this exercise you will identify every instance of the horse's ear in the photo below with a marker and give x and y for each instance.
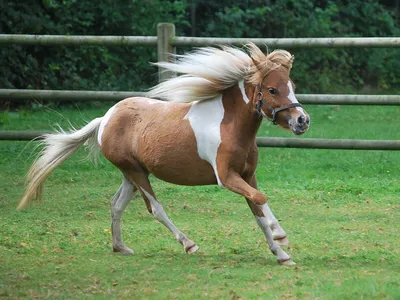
(256, 63)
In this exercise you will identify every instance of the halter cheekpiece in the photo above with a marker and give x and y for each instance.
(274, 111)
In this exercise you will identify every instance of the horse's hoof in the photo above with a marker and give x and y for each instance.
(287, 262)
(123, 251)
(191, 249)
(282, 241)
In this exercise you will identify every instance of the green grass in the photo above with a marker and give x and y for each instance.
(340, 209)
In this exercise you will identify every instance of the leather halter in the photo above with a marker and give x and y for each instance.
(274, 111)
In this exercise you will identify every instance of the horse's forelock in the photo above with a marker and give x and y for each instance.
(263, 64)
(282, 58)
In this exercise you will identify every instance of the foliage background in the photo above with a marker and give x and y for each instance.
(111, 68)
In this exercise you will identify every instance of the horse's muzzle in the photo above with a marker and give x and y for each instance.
(300, 124)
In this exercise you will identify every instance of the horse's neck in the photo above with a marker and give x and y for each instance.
(240, 115)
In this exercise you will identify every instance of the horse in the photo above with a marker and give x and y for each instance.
(198, 128)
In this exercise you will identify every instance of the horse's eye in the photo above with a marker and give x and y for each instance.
(272, 91)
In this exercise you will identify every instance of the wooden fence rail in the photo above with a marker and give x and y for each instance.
(117, 41)
(274, 142)
(291, 43)
(76, 40)
(65, 95)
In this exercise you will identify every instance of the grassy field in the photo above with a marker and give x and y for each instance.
(340, 209)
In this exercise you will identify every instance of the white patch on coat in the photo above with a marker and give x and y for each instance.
(274, 247)
(205, 118)
(156, 207)
(272, 221)
(292, 97)
(154, 102)
(150, 101)
(158, 212)
(103, 123)
(243, 90)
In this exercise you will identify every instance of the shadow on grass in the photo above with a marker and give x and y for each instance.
(249, 260)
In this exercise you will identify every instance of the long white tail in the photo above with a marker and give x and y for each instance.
(57, 148)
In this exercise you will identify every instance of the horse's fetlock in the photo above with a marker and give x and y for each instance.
(274, 249)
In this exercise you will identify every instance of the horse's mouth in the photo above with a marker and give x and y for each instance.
(298, 130)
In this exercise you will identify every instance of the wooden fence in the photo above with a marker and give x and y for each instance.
(166, 43)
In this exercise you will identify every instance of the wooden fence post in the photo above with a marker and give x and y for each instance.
(165, 31)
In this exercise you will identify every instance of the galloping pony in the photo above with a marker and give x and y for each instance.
(204, 133)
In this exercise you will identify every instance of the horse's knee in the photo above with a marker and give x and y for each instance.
(116, 212)
(258, 198)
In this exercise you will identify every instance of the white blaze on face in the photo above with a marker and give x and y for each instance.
(205, 118)
(292, 97)
(103, 123)
(243, 90)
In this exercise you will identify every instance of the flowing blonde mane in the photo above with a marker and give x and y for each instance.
(206, 72)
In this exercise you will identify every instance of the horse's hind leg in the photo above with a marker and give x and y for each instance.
(155, 208)
(118, 205)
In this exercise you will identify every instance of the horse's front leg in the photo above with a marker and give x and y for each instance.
(278, 234)
(234, 182)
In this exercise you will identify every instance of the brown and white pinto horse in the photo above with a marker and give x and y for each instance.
(205, 134)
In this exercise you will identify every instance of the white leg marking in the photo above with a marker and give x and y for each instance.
(159, 213)
(205, 118)
(281, 255)
(118, 205)
(104, 122)
(293, 98)
(277, 232)
(272, 221)
(243, 90)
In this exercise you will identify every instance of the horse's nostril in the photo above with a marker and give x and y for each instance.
(308, 121)
(301, 119)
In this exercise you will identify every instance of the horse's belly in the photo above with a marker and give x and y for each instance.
(177, 162)
(185, 174)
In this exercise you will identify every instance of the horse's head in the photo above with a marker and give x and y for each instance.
(276, 100)
(274, 94)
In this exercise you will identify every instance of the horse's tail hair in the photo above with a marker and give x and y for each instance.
(57, 148)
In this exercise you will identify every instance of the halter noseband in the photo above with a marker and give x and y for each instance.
(274, 111)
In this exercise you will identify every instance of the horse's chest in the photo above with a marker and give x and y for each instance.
(205, 119)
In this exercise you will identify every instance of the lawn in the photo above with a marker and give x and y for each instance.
(340, 209)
